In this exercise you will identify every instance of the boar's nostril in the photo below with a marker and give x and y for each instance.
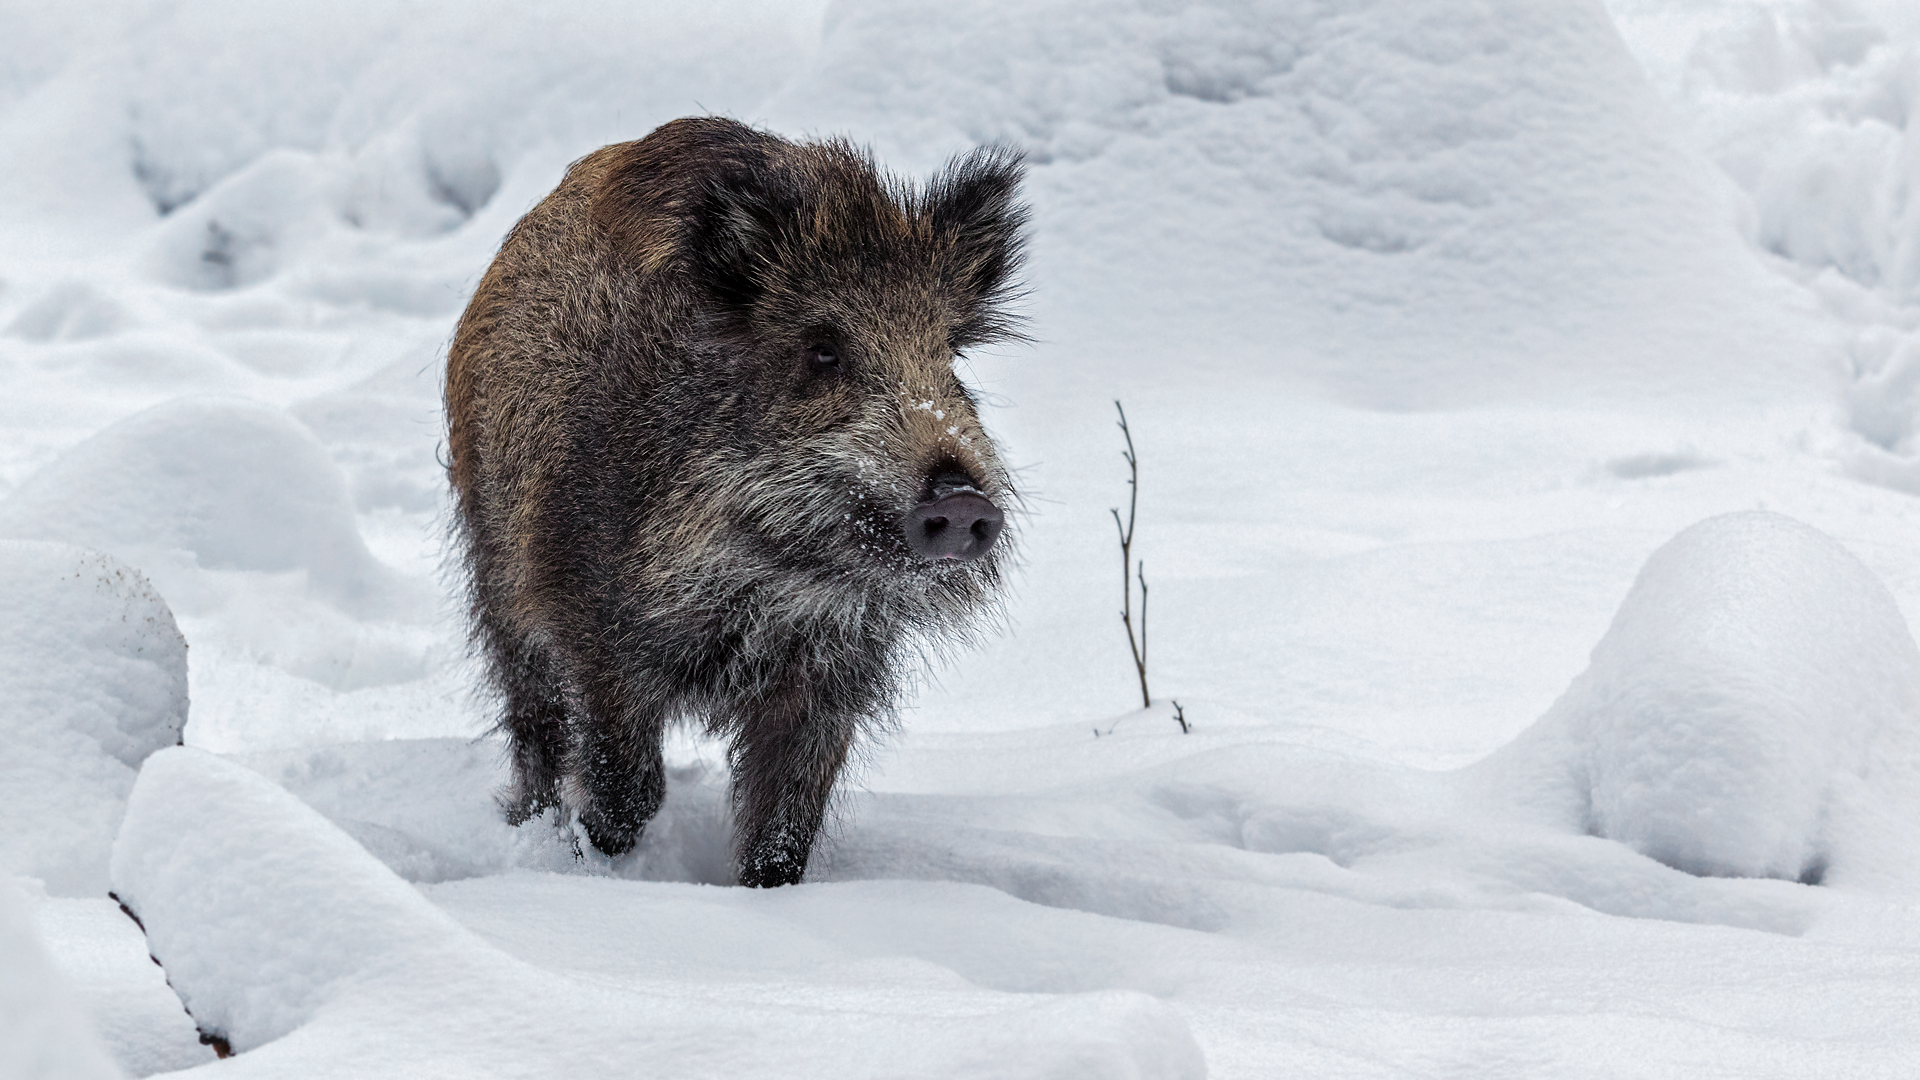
(960, 526)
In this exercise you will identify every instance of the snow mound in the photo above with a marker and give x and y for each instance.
(93, 678)
(43, 1034)
(87, 639)
(286, 936)
(226, 483)
(1753, 711)
(255, 906)
(68, 311)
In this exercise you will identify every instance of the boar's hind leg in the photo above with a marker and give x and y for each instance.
(784, 767)
(618, 763)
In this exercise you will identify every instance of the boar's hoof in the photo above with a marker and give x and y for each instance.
(772, 868)
(613, 835)
(960, 526)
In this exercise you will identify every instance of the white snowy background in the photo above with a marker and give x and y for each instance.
(1527, 395)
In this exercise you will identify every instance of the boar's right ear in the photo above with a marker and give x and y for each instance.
(703, 193)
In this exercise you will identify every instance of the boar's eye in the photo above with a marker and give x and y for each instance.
(825, 354)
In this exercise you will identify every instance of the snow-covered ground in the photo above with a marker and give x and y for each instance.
(1527, 395)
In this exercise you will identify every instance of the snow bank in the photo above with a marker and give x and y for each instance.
(286, 936)
(1754, 710)
(93, 678)
(213, 483)
(43, 1034)
(1256, 177)
(255, 906)
(1245, 177)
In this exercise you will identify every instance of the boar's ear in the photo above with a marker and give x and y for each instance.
(741, 221)
(982, 230)
(704, 193)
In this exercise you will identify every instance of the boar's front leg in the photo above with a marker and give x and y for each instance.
(617, 760)
(785, 761)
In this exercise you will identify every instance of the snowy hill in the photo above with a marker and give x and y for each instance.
(1525, 394)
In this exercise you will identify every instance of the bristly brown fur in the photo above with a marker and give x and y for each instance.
(668, 509)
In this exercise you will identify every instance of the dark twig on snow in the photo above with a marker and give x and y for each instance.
(1138, 644)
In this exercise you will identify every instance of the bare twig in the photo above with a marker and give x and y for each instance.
(1140, 571)
(1136, 643)
(1180, 717)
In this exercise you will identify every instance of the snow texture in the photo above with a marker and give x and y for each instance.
(1442, 326)
(93, 678)
(283, 934)
(103, 957)
(1809, 107)
(43, 1033)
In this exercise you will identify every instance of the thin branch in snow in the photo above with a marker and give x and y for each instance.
(1137, 643)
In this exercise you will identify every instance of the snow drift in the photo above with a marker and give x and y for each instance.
(1813, 110)
(1753, 711)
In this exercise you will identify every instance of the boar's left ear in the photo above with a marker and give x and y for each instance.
(705, 193)
(981, 226)
(741, 221)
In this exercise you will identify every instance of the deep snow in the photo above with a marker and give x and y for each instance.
(1460, 339)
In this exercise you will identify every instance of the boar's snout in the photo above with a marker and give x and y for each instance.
(956, 522)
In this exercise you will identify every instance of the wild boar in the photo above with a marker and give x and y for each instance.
(713, 464)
